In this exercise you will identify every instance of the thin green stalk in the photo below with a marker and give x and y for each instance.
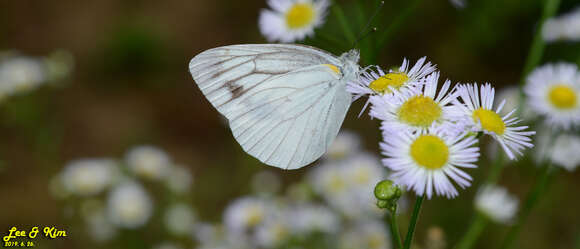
(538, 43)
(496, 167)
(395, 228)
(413, 222)
(477, 225)
(348, 33)
(531, 200)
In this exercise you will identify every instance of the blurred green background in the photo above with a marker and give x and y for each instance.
(131, 86)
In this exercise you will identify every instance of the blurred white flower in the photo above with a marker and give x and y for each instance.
(179, 179)
(274, 231)
(364, 171)
(98, 225)
(20, 74)
(329, 179)
(291, 20)
(87, 177)
(563, 151)
(180, 219)
(563, 28)
(344, 145)
(245, 213)
(310, 218)
(148, 162)
(347, 185)
(370, 234)
(129, 205)
(553, 91)
(496, 203)
(266, 183)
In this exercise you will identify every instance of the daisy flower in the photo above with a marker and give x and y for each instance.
(496, 203)
(425, 161)
(88, 177)
(179, 219)
(416, 108)
(553, 91)
(292, 20)
(148, 162)
(20, 74)
(377, 82)
(483, 118)
(246, 213)
(563, 28)
(129, 205)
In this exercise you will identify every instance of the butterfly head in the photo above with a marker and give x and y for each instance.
(350, 67)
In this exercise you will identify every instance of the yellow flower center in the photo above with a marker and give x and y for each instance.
(430, 152)
(420, 111)
(489, 120)
(336, 184)
(562, 97)
(300, 15)
(254, 216)
(362, 176)
(394, 80)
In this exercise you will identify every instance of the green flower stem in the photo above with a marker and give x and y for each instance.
(538, 43)
(348, 33)
(413, 222)
(477, 225)
(496, 167)
(395, 228)
(531, 200)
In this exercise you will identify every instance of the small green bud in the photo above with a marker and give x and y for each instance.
(385, 190)
(382, 204)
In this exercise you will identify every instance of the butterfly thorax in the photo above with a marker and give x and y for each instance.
(350, 67)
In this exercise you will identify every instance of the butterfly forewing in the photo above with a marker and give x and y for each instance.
(283, 104)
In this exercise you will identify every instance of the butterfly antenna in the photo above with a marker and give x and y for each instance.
(362, 33)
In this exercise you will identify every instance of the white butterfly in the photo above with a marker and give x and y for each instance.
(284, 103)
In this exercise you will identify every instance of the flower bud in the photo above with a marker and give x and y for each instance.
(385, 190)
(382, 204)
(387, 195)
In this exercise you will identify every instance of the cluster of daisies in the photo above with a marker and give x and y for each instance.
(20, 74)
(109, 196)
(431, 131)
(330, 207)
